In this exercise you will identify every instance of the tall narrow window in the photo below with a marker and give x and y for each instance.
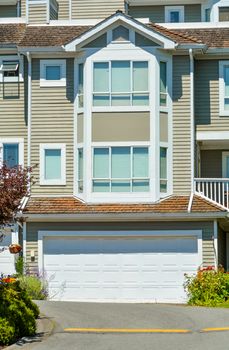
(163, 84)
(207, 15)
(10, 154)
(121, 169)
(224, 87)
(121, 83)
(81, 86)
(163, 170)
(52, 164)
(80, 170)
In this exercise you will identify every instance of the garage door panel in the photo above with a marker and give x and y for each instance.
(119, 268)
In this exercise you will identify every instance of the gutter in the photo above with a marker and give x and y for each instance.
(29, 114)
(192, 127)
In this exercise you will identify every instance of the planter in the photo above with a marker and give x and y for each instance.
(15, 248)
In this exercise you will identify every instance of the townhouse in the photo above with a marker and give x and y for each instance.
(124, 108)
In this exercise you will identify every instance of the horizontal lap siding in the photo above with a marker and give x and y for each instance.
(95, 8)
(181, 126)
(207, 97)
(33, 228)
(13, 119)
(52, 122)
(23, 8)
(63, 9)
(156, 13)
(37, 14)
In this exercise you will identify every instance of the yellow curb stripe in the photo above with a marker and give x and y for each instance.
(220, 329)
(125, 330)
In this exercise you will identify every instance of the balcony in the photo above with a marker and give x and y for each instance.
(215, 190)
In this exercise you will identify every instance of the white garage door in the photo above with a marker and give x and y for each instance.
(119, 269)
(6, 259)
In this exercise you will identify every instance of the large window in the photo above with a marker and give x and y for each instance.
(52, 164)
(120, 169)
(224, 87)
(120, 83)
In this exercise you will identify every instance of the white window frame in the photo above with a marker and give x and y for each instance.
(131, 93)
(169, 9)
(51, 83)
(110, 179)
(222, 110)
(54, 182)
(13, 140)
(12, 58)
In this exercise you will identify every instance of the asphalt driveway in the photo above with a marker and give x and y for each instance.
(91, 326)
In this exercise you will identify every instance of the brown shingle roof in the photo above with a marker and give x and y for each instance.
(174, 204)
(214, 37)
(51, 35)
(11, 33)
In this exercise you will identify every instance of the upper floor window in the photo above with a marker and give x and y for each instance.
(223, 14)
(11, 154)
(163, 84)
(121, 169)
(52, 73)
(10, 70)
(52, 164)
(174, 14)
(224, 87)
(81, 85)
(163, 170)
(120, 83)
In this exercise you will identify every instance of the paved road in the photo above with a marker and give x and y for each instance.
(134, 316)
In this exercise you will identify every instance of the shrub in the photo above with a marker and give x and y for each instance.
(26, 299)
(18, 310)
(19, 266)
(34, 286)
(208, 287)
(7, 332)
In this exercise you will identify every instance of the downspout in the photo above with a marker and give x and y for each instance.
(192, 136)
(28, 55)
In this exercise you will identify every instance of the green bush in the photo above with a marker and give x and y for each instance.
(7, 332)
(24, 296)
(18, 310)
(19, 266)
(35, 287)
(208, 287)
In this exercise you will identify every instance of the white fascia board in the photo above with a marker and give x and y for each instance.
(194, 25)
(123, 217)
(167, 43)
(212, 135)
(191, 46)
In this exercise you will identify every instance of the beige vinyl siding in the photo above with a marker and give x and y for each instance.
(192, 13)
(23, 8)
(33, 228)
(95, 8)
(63, 9)
(80, 125)
(8, 11)
(37, 14)
(207, 103)
(164, 127)
(211, 163)
(52, 122)
(181, 125)
(13, 119)
(120, 127)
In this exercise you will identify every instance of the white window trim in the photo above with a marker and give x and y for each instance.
(54, 182)
(50, 83)
(9, 140)
(222, 110)
(224, 164)
(21, 69)
(169, 9)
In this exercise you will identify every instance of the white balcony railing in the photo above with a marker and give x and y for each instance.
(216, 190)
